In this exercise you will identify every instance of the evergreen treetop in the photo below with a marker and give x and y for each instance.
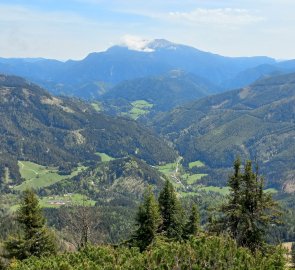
(192, 227)
(148, 220)
(36, 240)
(249, 210)
(171, 211)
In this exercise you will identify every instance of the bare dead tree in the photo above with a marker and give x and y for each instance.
(80, 222)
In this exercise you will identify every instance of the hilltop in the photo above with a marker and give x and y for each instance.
(164, 92)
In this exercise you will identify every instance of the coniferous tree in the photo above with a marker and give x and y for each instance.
(233, 208)
(249, 210)
(148, 220)
(36, 240)
(193, 225)
(171, 212)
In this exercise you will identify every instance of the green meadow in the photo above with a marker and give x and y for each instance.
(104, 157)
(193, 178)
(139, 108)
(67, 199)
(38, 176)
(196, 163)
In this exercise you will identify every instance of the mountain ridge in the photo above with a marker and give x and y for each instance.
(84, 78)
(254, 122)
(48, 130)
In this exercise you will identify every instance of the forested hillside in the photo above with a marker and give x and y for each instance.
(254, 122)
(63, 132)
(163, 92)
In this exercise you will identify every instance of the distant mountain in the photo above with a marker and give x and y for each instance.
(248, 76)
(94, 75)
(164, 92)
(38, 127)
(253, 122)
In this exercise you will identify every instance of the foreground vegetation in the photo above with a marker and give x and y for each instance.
(164, 237)
(197, 253)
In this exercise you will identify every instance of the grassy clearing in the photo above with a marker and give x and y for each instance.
(222, 190)
(57, 201)
(196, 163)
(167, 169)
(271, 190)
(104, 157)
(67, 199)
(96, 106)
(188, 194)
(139, 107)
(38, 176)
(135, 113)
(142, 104)
(191, 179)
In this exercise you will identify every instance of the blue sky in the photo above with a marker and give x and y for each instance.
(64, 29)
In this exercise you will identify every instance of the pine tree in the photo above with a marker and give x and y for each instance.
(193, 225)
(232, 209)
(36, 240)
(172, 213)
(148, 220)
(249, 210)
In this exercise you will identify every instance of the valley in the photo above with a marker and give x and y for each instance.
(169, 116)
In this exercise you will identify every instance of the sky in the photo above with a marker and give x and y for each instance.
(71, 29)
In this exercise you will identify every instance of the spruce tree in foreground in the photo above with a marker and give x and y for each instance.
(148, 219)
(36, 239)
(193, 225)
(171, 212)
(250, 210)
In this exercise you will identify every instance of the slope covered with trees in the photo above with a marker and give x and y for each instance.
(63, 132)
(256, 121)
(164, 92)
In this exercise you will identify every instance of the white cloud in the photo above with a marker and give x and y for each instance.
(217, 16)
(136, 43)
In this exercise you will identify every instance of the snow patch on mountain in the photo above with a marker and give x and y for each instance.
(136, 43)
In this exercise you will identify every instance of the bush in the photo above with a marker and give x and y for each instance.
(206, 252)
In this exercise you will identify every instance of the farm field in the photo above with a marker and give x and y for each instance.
(38, 176)
(167, 169)
(196, 163)
(67, 199)
(193, 178)
(139, 108)
(222, 190)
(104, 157)
(96, 106)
